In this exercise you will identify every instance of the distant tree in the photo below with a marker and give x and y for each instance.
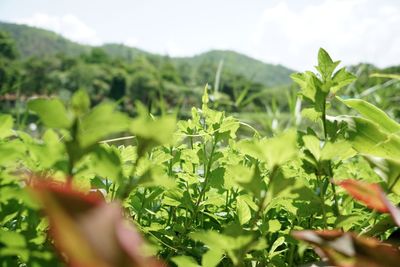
(118, 85)
(144, 81)
(9, 69)
(97, 56)
(8, 49)
(169, 72)
(38, 75)
(205, 72)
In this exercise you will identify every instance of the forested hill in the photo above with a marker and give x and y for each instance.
(31, 41)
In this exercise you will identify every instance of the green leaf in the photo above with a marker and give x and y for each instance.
(12, 239)
(278, 242)
(212, 239)
(274, 226)
(100, 123)
(6, 124)
(385, 75)
(311, 114)
(313, 144)
(80, 102)
(367, 138)
(243, 211)
(205, 99)
(339, 150)
(185, 261)
(212, 257)
(11, 151)
(274, 151)
(325, 64)
(247, 178)
(151, 131)
(373, 113)
(308, 82)
(106, 162)
(159, 130)
(341, 79)
(51, 112)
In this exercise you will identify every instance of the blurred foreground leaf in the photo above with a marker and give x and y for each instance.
(88, 231)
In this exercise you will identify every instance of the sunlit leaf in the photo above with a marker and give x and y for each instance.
(373, 113)
(100, 123)
(243, 211)
(368, 138)
(51, 112)
(326, 65)
(80, 102)
(6, 124)
(185, 261)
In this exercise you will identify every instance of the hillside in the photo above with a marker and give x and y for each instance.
(33, 41)
(251, 68)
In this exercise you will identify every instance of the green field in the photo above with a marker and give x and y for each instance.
(111, 156)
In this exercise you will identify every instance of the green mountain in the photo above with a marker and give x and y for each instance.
(32, 41)
(253, 69)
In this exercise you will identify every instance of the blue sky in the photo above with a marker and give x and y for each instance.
(275, 31)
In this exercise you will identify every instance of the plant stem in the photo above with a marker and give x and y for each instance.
(256, 217)
(394, 183)
(324, 121)
(206, 174)
(322, 197)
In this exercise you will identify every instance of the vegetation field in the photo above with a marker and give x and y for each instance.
(110, 161)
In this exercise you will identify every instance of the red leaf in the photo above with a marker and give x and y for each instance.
(372, 196)
(349, 250)
(89, 231)
(369, 194)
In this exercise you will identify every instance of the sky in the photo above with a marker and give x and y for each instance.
(287, 32)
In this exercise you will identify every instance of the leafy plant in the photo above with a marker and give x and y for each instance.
(200, 191)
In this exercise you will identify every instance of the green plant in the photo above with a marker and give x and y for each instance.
(201, 193)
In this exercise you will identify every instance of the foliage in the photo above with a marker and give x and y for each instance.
(201, 192)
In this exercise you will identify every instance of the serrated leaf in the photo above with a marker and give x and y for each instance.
(339, 150)
(100, 123)
(340, 79)
(308, 83)
(326, 65)
(274, 151)
(106, 162)
(311, 114)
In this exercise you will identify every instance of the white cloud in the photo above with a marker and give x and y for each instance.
(352, 30)
(131, 41)
(67, 25)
